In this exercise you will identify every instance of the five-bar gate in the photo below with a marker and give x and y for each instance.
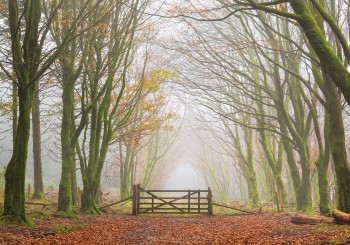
(171, 201)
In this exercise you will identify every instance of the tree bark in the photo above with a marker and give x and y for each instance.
(16, 169)
(38, 173)
(311, 219)
(65, 206)
(14, 113)
(340, 216)
(88, 203)
(74, 186)
(338, 147)
(330, 62)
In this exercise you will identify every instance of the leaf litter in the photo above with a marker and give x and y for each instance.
(266, 228)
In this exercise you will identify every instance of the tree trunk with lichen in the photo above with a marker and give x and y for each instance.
(65, 205)
(338, 147)
(38, 172)
(16, 169)
(25, 55)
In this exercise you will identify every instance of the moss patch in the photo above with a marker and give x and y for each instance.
(63, 214)
(66, 229)
(11, 220)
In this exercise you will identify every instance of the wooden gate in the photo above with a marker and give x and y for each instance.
(171, 201)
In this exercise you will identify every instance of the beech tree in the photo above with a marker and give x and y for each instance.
(258, 74)
(29, 33)
(36, 125)
(108, 65)
(147, 118)
(29, 63)
(333, 59)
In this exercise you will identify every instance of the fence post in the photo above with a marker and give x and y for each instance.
(210, 202)
(134, 198)
(189, 201)
(152, 203)
(199, 200)
(137, 199)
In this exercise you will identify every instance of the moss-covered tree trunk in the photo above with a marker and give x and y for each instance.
(329, 60)
(16, 169)
(274, 163)
(252, 186)
(324, 204)
(26, 56)
(38, 172)
(65, 205)
(306, 190)
(14, 113)
(338, 147)
(288, 148)
(251, 175)
(126, 180)
(74, 185)
(88, 200)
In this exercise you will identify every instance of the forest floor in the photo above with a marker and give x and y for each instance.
(265, 228)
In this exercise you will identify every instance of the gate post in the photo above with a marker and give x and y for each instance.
(135, 199)
(210, 202)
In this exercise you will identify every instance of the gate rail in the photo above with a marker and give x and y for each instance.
(189, 201)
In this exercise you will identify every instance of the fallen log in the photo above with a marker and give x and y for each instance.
(340, 216)
(311, 219)
(44, 205)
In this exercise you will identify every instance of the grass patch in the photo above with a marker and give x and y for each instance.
(66, 229)
(11, 220)
(331, 227)
(336, 241)
(224, 211)
(62, 214)
(39, 214)
(122, 208)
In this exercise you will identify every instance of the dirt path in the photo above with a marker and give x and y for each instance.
(270, 228)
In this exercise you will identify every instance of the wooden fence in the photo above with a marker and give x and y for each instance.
(171, 201)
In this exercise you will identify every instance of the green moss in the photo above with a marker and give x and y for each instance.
(65, 214)
(38, 196)
(224, 211)
(331, 227)
(13, 220)
(39, 214)
(123, 208)
(66, 229)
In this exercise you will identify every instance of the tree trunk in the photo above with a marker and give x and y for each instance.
(311, 219)
(74, 186)
(38, 173)
(99, 195)
(338, 147)
(294, 172)
(306, 190)
(329, 60)
(88, 203)
(322, 173)
(253, 193)
(16, 169)
(340, 216)
(65, 207)
(14, 114)
(281, 190)
(325, 207)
